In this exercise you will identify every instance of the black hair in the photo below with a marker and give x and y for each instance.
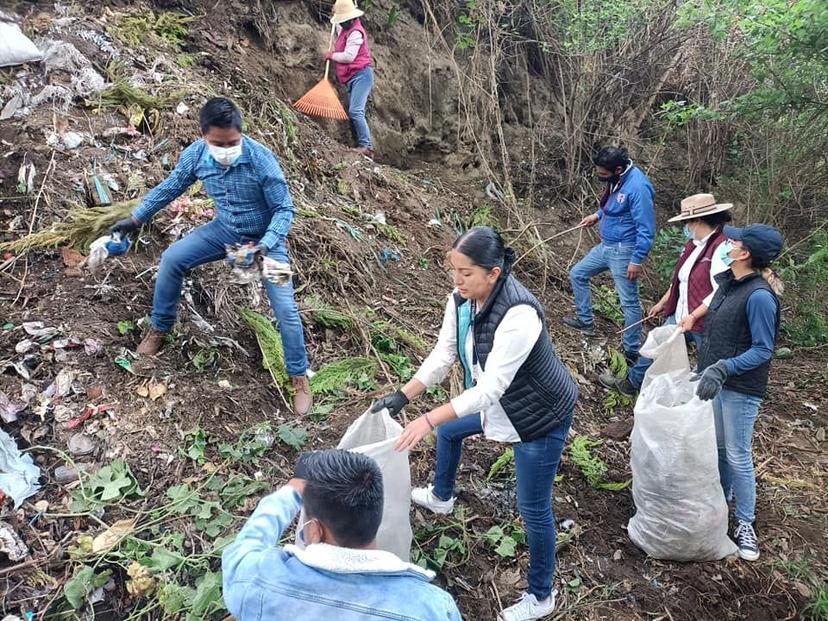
(716, 219)
(343, 490)
(219, 112)
(611, 158)
(485, 248)
(347, 23)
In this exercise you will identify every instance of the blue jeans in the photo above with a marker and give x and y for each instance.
(735, 413)
(359, 87)
(616, 259)
(205, 244)
(536, 464)
(635, 374)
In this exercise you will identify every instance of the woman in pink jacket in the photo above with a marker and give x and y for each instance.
(354, 68)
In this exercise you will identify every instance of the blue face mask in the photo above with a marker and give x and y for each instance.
(724, 252)
(687, 233)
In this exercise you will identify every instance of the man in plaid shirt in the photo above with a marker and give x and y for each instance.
(253, 204)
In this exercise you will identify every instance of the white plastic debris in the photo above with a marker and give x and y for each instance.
(11, 544)
(72, 140)
(63, 56)
(15, 47)
(18, 474)
(182, 108)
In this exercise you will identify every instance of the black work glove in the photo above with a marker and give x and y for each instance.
(124, 227)
(711, 381)
(395, 402)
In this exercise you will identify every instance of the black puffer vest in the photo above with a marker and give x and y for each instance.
(543, 393)
(727, 331)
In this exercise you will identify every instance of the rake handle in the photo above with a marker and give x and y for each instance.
(330, 49)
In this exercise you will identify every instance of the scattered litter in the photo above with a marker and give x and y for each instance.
(125, 364)
(68, 343)
(93, 347)
(182, 108)
(811, 406)
(99, 191)
(112, 535)
(25, 178)
(88, 413)
(63, 56)
(153, 389)
(223, 384)
(18, 474)
(25, 346)
(62, 414)
(81, 444)
(100, 40)
(15, 47)
(39, 331)
(62, 385)
(9, 409)
(390, 255)
(41, 506)
(783, 353)
(11, 544)
(72, 140)
(567, 524)
(12, 106)
(107, 246)
(142, 583)
(379, 217)
(276, 272)
(434, 222)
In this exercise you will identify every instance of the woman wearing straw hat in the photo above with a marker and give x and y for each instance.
(354, 68)
(694, 282)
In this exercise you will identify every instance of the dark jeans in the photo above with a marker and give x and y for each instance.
(536, 464)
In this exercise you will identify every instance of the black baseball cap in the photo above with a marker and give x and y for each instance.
(762, 240)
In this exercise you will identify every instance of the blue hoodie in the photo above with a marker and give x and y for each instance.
(627, 217)
(264, 582)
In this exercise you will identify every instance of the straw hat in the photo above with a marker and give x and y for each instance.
(343, 10)
(698, 206)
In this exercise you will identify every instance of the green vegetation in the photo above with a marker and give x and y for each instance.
(806, 277)
(270, 344)
(503, 465)
(326, 315)
(605, 303)
(665, 254)
(593, 468)
(133, 29)
(349, 372)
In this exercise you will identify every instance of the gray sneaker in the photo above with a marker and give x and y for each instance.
(621, 384)
(576, 324)
(746, 541)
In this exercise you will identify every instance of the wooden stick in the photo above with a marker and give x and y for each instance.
(632, 325)
(330, 49)
(549, 239)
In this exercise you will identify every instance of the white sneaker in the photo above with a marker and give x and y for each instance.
(424, 496)
(529, 608)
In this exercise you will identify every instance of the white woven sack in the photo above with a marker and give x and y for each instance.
(15, 47)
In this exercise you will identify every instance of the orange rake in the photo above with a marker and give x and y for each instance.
(322, 99)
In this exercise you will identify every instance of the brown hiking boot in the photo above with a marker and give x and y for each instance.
(302, 397)
(365, 152)
(152, 343)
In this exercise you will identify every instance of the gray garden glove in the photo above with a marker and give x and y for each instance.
(395, 402)
(711, 381)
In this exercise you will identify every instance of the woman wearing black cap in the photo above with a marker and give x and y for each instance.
(740, 334)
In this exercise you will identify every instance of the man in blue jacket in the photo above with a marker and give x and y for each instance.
(627, 232)
(340, 574)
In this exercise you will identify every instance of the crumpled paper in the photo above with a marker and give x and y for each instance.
(18, 474)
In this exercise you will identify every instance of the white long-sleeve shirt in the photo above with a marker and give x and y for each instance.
(717, 266)
(514, 339)
(352, 45)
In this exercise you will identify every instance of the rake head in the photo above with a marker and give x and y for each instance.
(322, 101)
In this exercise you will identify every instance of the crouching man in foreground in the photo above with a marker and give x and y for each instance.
(340, 574)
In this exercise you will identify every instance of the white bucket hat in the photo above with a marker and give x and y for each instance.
(698, 206)
(343, 10)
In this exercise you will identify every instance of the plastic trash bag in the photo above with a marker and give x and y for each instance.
(681, 512)
(18, 474)
(15, 47)
(106, 246)
(374, 434)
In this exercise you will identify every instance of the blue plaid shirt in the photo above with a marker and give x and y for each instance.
(251, 196)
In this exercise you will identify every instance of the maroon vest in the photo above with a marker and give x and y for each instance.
(344, 72)
(698, 285)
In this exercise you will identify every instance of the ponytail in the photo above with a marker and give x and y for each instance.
(773, 280)
(485, 248)
(509, 258)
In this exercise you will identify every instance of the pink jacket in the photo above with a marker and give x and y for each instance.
(346, 71)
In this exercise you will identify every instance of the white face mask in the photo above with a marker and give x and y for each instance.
(225, 155)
